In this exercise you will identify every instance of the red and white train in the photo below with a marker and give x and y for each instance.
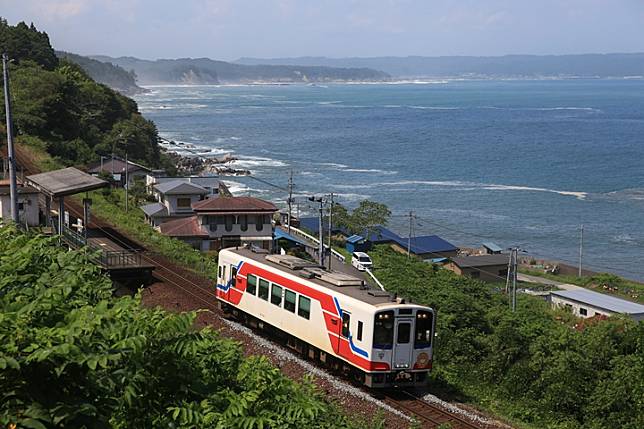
(329, 316)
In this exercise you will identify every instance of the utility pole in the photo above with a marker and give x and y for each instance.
(330, 229)
(514, 280)
(127, 183)
(13, 187)
(321, 233)
(411, 217)
(581, 247)
(290, 199)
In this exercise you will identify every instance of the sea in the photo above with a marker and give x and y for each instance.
(515, 162)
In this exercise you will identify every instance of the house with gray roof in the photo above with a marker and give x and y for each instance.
(174, 201)
(587, 303)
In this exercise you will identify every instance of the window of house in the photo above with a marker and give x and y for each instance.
(183, 203)
(475, 274)
(21, 206)
(243, 222)
(260, 223)
(230, 220)
(346, 322)
(583, 311)
(251, 284)
(263, 289)
(276, 295)
(304, 307)
(359, 331)
(289, 300)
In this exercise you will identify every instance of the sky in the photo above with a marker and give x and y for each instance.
(229, 29)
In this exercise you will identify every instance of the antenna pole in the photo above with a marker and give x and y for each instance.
(13, 187)
(581, 247)
(411, 216)
(330, 229)
(127, 183)
(290, 199)
(321, 250)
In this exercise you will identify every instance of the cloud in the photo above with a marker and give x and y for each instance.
(59, 9)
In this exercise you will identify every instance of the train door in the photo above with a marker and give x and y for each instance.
(403, 345)
(231, 281)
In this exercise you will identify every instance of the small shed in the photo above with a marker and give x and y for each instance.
(357, 243)
(492, 248)
(491, 268)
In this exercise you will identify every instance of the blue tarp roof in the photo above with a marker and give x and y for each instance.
(283, 234)
(493, 247)
(419, 245)
(355, 239)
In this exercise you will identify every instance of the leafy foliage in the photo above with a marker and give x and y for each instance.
(57, 102)
(363, 219)
(532, 365)
(71, 355)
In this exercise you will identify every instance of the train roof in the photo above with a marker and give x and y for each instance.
(336, 281)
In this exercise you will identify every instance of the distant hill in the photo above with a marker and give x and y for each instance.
(207, 71)
(587, 65)
(106, 73)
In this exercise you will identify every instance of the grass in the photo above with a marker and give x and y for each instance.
(609, 284)
(111, 207)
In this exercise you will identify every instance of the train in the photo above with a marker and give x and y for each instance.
(329, 316)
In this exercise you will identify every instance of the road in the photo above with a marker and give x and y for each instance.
(541, 280)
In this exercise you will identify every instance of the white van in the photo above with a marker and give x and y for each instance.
(361, 261)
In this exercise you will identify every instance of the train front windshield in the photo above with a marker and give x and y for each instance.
(383, 332)
(424, 323)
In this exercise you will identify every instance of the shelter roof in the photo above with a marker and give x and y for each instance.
(480, 261)
(180, 187)
(492, 247)
(234, 205)
(155, 209)
(184, 227)
(601, 300)
(116, 165)
(67, 181)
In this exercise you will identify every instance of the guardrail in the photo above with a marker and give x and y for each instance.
(105, 258)
(380, 285)
(299, 232)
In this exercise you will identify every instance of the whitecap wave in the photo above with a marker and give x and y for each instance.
(258, 161)
(371, 170)
(467, 186)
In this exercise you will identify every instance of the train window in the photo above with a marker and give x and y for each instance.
(346, 322)
(220, 271)
(276, 295)
(404, 331)
(424, 322)
(383, 330)
(289, 300)
(251, 284)
(359, 330)
(304, 307)
(263, 289)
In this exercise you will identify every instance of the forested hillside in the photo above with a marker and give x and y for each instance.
(73, 356)
(107, 73)
(207, 71)
(59, 107)
(537, 366)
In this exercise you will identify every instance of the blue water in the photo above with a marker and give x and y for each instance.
(515, 162)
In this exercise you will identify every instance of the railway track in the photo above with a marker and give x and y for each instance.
(428, 415)
(202, 290)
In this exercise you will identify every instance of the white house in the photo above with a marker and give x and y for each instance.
(586, 303)
(175, 199)
(222, 222)
(27, 204)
